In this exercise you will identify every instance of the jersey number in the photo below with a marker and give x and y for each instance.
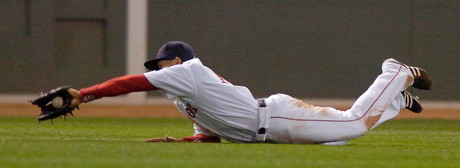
(191, 111)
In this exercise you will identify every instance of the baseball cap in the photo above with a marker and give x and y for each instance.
(169, 51)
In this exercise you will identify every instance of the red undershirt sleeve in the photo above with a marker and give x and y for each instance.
(117, 86)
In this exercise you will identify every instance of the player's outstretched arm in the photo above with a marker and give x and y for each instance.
(115, 87)
(63, 100)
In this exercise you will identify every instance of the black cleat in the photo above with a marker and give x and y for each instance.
(412, 103)
(422, 80)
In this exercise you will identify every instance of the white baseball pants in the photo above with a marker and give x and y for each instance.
(290, 120)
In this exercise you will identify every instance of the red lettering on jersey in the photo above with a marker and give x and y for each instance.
(222, 79)
(191, 111)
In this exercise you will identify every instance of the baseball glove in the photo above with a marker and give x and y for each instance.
(55, 103)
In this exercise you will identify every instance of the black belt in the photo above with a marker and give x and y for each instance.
(262, 103)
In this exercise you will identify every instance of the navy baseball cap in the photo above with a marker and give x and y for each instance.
(169, 51)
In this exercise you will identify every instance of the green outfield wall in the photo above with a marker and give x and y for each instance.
(313, 49)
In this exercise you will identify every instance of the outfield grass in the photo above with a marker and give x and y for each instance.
(118, 142)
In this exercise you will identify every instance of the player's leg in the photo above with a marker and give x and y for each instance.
(303, 123)
(392, 99)
(391, 112)
(384, 93)
(382, 101)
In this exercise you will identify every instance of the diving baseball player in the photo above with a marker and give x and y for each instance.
(220, 109)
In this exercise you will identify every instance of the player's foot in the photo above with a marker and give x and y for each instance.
(422, 80)
(412, 102)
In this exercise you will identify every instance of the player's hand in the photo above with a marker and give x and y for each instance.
(202, 138)
(197, 138)
(76, 97)
(165, 139)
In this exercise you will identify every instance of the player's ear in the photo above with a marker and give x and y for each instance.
(178, 60)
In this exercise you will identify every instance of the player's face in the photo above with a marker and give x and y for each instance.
(167, 63)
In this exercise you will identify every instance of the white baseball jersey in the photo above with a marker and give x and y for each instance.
(211, 102)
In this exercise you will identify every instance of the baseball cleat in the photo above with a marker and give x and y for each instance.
(422, 80)
(412, 102)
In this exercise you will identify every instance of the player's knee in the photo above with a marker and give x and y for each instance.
(361, 131)
(364, 132)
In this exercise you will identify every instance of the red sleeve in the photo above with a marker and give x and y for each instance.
(117, 86)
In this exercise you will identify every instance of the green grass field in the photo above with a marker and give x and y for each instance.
(118, 142)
